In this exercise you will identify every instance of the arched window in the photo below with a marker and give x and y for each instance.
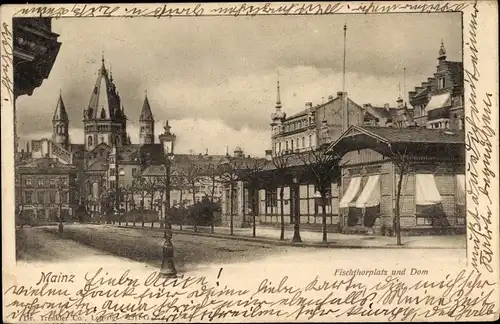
(89, 140)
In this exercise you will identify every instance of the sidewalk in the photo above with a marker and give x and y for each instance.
(314, 239)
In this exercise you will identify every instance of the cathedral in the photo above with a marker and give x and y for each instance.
(87, 163)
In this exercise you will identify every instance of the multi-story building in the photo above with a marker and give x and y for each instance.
(439, 101)
(46, 189)
(437, 104)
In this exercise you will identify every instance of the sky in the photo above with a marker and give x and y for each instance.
(214, 78)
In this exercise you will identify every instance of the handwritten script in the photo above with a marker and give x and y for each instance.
(479, 146)
(101, 297)
(240, 9)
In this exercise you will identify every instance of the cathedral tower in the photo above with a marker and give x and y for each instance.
(60, 125)
(104, 121)
(147, 124)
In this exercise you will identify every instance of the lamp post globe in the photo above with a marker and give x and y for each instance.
(167, 140)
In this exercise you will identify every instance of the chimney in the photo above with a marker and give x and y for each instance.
(330, 97)
(27, 146)
(206, 151)
(227, 150)
(386, 106)
(309, 105)
(269, 154)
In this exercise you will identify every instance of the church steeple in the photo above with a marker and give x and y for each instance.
(60, 124)
(146, 123)
(442, 52)
(103, 115)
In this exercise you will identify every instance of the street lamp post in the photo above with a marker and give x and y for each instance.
(167, 140)
(296, 226)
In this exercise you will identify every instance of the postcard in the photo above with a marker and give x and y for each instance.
(250, 162)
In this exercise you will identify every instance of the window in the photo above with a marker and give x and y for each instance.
(89, 140)
(52, 197)
(102, 140)
(121, 171)
(303, 142)
(39, 182)
(297, 143)
(122, 183)
(40, 197)
(279, 147)
(63, 197)
(441, 83)
(52, 182)
(63, 181)
(112, 184)
(28, 181)
(270, 201)
(134, 172)
(310, 140)
(112, 172)
(28, 197)
(286, 146)
(291, 143)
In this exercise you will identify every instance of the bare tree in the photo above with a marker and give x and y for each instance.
(193, 174)
(251, 172)
(151, 186)
(230, 174)
(178, 182)
(281, 162)
(128, 197)
(62, 188)
(325, 169)
(211, 172)
(401, 160)
(142, 190)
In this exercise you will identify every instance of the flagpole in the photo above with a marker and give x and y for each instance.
(344, 99)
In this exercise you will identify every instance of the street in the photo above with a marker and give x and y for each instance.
(195, 252)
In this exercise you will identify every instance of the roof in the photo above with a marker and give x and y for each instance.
(47, 164)
(98, 165)
(104, 100)
(60, 112)
(386, 113)
(146, 114)
(417, 135)
(355, 138)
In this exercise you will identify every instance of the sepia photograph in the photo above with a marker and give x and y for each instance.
(285, 166)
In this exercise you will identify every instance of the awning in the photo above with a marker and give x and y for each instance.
(351, 192)
(460, 194)
(439, 101)
(427, 192)
(370, 196)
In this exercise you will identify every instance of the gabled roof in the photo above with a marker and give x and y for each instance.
(146, 113)
(60, 112)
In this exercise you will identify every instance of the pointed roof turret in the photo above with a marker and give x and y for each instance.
(278, 114)
(60, 112)
(442, 52)
(146, 114)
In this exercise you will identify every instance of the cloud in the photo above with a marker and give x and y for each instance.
(218, 72)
